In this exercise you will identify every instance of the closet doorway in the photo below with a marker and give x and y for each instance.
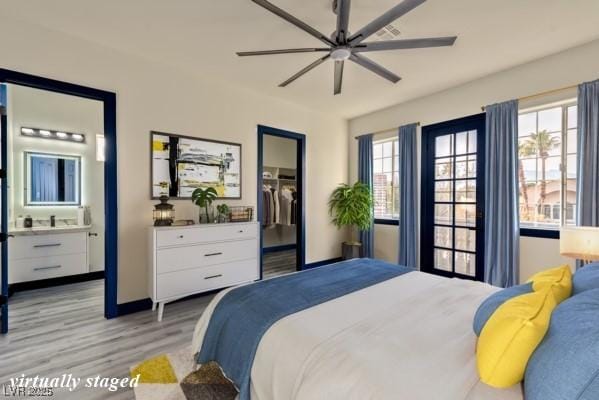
(281, 200)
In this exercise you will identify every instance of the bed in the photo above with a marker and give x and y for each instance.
(405, 337)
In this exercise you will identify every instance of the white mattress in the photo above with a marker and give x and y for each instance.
(406, 338)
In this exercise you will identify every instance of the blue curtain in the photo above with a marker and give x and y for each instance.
(502, 229)
(365, 176)
(408, 223)
(588, 155)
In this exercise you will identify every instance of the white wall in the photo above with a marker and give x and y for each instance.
(560, 70)
(279, 152)
(153, 96)
(46, 110)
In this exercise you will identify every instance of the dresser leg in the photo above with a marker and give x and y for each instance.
(153, 306)
(160, 311)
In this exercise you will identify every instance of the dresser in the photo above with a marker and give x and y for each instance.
(34, 255)
(187, 260)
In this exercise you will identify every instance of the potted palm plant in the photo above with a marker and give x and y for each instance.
(351, 206)
(203, 198)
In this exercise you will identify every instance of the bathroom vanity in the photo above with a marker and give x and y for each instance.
(47, 252)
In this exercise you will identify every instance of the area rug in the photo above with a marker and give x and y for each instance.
(171, 377)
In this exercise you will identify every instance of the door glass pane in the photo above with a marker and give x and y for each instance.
(444, 191)
(461, 143)
(472, 141)
(377, 166)
(443, 214)
(465, 214)
(444, 168)
(464, 263)
(465, 191)
(465, 239)
(465, 167)
(443, 237)
(443, 259)
(444, 146)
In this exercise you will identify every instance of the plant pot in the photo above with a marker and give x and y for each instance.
(206, 219)
(350, 250)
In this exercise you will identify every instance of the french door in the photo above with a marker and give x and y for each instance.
(3, 213)
(453, 198)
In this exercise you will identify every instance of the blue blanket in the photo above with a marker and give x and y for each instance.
(244, 314)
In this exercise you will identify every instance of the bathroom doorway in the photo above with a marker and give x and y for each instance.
(281, 200)
(59, 189)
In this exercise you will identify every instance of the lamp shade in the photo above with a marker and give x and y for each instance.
(580, 242)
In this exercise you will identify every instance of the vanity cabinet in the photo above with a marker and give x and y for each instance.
(44, 256)
(193, 259)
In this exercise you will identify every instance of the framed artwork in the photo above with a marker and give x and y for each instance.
(181, 164)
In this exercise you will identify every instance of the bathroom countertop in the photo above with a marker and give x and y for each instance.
(45, 230)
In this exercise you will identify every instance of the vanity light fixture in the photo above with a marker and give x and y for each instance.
(56, 135)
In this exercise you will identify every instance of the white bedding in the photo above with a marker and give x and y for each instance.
(406, 338)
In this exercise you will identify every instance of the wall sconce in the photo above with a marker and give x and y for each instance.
(56, 135)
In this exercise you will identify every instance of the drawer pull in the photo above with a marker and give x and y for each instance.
(241, 231)
(213, 254)
(180, 236)
(49, 267)
(213, 276)
(47, 245)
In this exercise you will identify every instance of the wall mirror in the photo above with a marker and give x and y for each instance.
(52, 180)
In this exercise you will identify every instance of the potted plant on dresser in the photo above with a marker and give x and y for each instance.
(351, 206)
(203, 198)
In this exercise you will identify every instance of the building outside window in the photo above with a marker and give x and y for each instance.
(386, 179)
(547, 166)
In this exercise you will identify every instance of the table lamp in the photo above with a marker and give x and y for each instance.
(580, 242)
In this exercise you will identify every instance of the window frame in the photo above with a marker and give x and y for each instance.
(393, 140)
(553, 232)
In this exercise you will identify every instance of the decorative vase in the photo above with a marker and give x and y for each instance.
(206, 219)
(350, 250)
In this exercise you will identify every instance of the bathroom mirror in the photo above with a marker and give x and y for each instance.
(52, 180)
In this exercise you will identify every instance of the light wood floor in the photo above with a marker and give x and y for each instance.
(62, 330)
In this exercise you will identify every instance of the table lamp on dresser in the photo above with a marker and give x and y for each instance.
(580, 242)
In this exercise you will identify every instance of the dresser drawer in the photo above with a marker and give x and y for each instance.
(183, 283)
(33, 246)
(201, 255)
(210, 233)
(33, 269)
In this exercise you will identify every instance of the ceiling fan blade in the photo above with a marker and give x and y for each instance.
(282, 51)
(305, 70)
(293, 20)
(338, 76)
(343, 7)
(401, 9)
(374, 67)
(406, 44)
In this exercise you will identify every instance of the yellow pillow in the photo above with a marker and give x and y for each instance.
(559, 279)
(511, 335)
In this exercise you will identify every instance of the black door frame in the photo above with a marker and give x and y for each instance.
(429, 133)
(108, 100)
(300, 186)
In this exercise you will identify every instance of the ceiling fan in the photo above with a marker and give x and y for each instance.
(343, 46)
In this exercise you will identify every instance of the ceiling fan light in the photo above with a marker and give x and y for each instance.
(340, 54)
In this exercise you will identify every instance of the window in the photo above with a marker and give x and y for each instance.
(547, 167)
(386, 179)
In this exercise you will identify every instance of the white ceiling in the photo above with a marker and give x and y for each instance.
(202, 36)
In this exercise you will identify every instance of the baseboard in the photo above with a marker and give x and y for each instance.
(283, 247)
(133, 307)
(321, 263)
(45, 283)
